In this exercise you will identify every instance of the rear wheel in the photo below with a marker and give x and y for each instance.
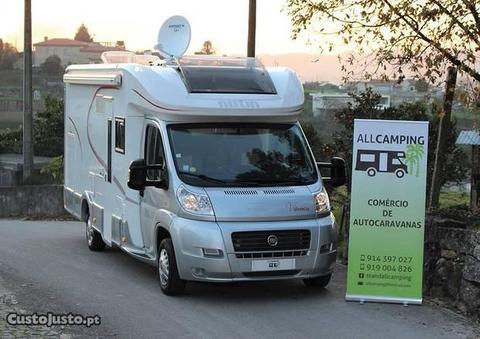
(371, 172)
(318, 281)
(170, 281)
(94, 238)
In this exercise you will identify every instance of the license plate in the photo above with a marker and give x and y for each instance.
(273, 265)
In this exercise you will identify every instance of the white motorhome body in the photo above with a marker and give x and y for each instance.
(116, 114)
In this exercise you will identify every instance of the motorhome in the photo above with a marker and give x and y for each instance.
(198, 166)
(373, 161)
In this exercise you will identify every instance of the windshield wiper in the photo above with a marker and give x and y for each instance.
(203, 177)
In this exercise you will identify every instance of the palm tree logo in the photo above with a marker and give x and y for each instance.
(413, 157)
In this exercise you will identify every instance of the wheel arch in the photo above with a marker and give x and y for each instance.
(86, 205)
(160, 234)
(85, 210)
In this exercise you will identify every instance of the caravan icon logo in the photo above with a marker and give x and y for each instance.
(397, 162)
(374, 161)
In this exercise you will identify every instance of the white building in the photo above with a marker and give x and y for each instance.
(405, 91)
(392, 94)
(70, 51)
(322, 103)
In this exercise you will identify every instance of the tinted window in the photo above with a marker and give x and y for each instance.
(153, 152)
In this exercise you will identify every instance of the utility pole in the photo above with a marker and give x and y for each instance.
(443, 126)
(27, 93)
(252, 23)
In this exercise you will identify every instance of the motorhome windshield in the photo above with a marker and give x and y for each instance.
(241, 154)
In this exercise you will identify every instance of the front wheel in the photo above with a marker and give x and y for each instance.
(318, 281)
(400, 173)
(94, 238)
(170, 281)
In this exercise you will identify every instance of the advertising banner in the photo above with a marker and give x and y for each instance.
(387, 213)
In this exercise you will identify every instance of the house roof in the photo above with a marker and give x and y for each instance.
(92, 47)
(60, 42)
(471, 137)
(96, 47)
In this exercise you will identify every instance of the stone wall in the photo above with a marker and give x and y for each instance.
(456, 276)
(41, 200)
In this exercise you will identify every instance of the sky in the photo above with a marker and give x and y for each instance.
(224, 22)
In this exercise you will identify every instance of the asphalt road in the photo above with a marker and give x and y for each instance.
(49, 267)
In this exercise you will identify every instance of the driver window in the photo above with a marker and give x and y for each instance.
(154, 154)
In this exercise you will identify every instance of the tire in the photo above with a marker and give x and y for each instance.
(400, 173)
(318, 281)
(371, 172)
(170, 282)
(94, 238)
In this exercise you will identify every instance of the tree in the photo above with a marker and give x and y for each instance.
(8, 55)
(412, 158)
(421, 37)
(52, 66)
(207, 49)
(365, 106)
(83, 34)
(314, 140)
(48, 128)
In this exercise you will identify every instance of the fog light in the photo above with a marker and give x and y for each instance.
(326, 247)
(212, 252)
(198, 272)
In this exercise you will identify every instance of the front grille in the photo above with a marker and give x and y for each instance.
(279, 254)
(256, 241)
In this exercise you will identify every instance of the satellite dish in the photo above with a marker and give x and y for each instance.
(174, 37)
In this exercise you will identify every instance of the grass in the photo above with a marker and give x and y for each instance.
(454, 199)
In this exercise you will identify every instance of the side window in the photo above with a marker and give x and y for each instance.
(365, 157)
(120, 135)
(154, 152)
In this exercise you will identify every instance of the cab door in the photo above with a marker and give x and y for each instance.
(154, 200)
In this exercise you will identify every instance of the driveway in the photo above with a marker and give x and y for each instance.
(45, 266)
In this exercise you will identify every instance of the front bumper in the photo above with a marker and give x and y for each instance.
(191, 237)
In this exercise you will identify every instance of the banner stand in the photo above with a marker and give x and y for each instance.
(387, 211)
(382, 299)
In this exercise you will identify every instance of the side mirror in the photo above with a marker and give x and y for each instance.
(137, 175)
(138, 178)
(337, 175)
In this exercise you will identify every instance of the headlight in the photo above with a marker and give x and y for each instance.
(193, 202)
(322, 203)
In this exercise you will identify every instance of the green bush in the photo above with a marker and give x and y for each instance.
(11, 141)
(54, 169)
(48, 129)
(48, 132)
